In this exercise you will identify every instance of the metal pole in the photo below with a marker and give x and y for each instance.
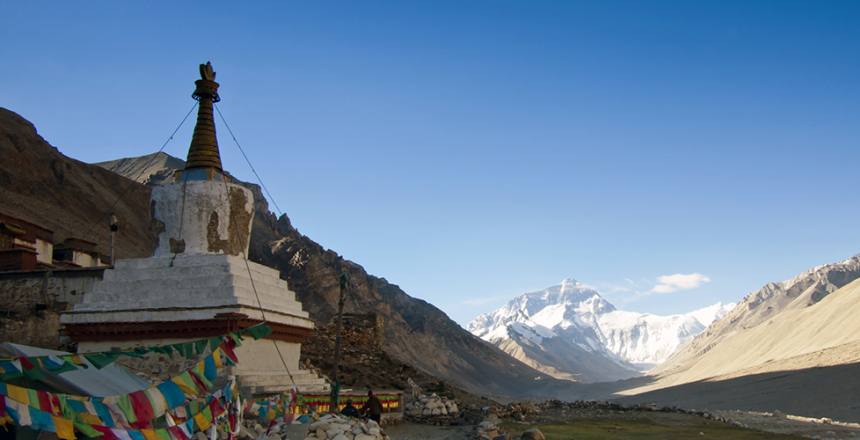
(335, 392)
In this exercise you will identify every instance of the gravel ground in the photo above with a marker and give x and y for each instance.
(404, 431)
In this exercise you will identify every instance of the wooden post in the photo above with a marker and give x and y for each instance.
(335, 391)
(114, 226)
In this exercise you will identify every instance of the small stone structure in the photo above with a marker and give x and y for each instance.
(433, 409)
(24, 245)
(75, 252)
(199, 283)
(31, 303)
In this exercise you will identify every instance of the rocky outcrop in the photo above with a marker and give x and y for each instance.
(364, 364)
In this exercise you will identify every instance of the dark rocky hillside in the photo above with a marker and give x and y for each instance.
(72, 198)
(39, 184)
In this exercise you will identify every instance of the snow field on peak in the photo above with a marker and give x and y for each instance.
(579, 314)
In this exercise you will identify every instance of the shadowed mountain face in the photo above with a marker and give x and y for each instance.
(811, 392)
(39, 184)
(74, 199)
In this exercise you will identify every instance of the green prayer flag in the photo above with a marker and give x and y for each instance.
(259, 331)
(163, 434)
(36, 374)
(163, 349)
(186, 349)
(66, 366)
(101, 360)
(214, 343)
(138, 352)
(65, 409)
(200, 346)
(87, 430)
(124, 404)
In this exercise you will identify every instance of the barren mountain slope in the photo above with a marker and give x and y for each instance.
(41, 185)
(823, 333)
(759, 307)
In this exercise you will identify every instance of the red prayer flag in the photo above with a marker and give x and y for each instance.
(200, 385)
(216, 408)
(44, 401)
(26, 364)
(142, 408)
(55, 403)
(227, 348)
(107, 434)
(177, 433)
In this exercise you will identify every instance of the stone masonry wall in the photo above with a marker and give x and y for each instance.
(31, 303)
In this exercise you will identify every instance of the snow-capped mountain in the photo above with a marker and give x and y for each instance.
(571, 332)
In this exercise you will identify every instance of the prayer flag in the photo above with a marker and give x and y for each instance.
(203, 419)
(216, 357)
(172, 393)
(210, 371)
(149, 434)
(41, 421)
(163, 434)
(121, 434)
(64, 428)
(177, 433)
(157, 400)
(107, 433)
(258, 331)
(185, 383)
(87, 430)
(104, 413)
(124, 404)
(44, 401)
(18, 394)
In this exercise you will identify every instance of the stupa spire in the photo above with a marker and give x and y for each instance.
(203, 152)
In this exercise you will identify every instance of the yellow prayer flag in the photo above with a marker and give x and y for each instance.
(185, 385)
(90, 419)
(65, 428)
(216, 355)
(149, 434)
(18, 394)
(201, 421)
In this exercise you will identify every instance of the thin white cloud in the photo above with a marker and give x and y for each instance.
(679, 281)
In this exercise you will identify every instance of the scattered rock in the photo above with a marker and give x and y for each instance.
(533, 434)
(433, 410)
(489, 430)
(338, 427)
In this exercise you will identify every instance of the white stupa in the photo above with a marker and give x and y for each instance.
(199, 283)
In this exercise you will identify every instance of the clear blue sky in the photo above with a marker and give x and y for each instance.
(469, 151)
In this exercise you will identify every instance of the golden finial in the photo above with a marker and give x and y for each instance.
(203, 152)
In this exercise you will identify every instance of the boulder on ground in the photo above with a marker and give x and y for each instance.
(533, 434)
